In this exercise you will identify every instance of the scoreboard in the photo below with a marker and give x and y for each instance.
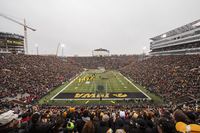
(12, 43)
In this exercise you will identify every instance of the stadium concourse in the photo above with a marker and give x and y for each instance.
(24, 79)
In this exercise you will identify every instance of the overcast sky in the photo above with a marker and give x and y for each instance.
(121, 26)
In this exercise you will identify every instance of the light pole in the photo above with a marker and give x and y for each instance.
(37, 48)
(143, 52)
(62, 47)
(144, 49)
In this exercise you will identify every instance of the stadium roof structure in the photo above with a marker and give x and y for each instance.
(11, 35)
(182, 29)
(101, 49)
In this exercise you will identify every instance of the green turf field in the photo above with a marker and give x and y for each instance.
(111, 80)
(92, 84)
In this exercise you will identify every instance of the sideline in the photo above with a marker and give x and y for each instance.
(95, 99)
(135, 86)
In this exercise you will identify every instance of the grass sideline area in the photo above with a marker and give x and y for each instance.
(46, 98)
(112, 81)
(155, 98)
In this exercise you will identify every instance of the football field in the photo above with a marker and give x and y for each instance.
(102, 85)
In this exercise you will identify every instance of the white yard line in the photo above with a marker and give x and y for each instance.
(66, 86)
(135, 86)
(119, 80)
(95, 99)
(86, 101)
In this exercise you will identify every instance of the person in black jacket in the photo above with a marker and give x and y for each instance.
(81, 122)
(37, 127)
(104, 124)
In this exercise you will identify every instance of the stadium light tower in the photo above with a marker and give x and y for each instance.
(37, 48)
(62, 47)
(143, 52)
(58, 46)
(25, 29)
(57, 49)
(144, 49)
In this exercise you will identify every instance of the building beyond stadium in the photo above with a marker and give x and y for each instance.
(11, 43)
(100, 52)
(182, 40)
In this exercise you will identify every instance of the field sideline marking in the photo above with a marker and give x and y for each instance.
(67, 86)
(96, 99)
(135, 86)
(118, 79)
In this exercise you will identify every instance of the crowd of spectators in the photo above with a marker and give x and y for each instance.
(170, 77)
(167, 76)
(100, 119)
(109, 62)
(33, 75)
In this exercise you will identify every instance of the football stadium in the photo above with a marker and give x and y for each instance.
(85, 67)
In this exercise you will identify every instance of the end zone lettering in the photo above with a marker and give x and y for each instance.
(110, 95)
(91, 95)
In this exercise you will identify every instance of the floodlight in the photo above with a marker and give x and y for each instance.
(62, 45)
(164, 35)
(144, 48)
(36, 45)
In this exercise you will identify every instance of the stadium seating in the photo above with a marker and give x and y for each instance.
(111, 62)
(167, 76)
(170, 77)
(30, 77)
